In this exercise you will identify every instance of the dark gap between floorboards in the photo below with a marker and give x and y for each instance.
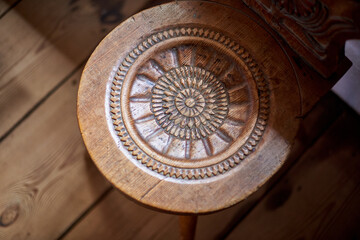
(224, 234)
(9, 9)
(42, 100)
(85, 213)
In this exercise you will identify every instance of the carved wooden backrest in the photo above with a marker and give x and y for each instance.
(316, 30)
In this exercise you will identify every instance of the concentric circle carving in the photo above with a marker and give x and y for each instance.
(189, 103)
(189, 117)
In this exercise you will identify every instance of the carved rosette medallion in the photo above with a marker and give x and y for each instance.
(189, 103)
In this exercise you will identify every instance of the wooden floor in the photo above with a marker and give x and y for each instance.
(50, 189)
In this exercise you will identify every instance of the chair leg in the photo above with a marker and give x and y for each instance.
(187, 227)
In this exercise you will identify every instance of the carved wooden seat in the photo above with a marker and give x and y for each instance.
(189, 107)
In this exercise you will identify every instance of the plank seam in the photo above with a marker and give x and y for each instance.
(42, 100)
(9, 9)
(224, 234)
(85, 213)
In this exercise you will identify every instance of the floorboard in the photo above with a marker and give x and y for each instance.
(41, 43)
(117, 217)
(46, 177)
(319, 197)
(6, 5)
(50, 188)
(212, 226)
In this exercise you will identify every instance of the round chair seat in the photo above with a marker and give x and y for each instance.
(188, 107)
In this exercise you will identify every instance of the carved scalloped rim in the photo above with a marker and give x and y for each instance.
(185, 173)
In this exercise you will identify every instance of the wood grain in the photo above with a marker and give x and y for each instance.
(5, 6)
(119, 218)
(319, 197)
(316, 30)
(209, 148)
(187, 226)
(316, 122)
(47, 182)
(212, 226)
(42, 42)
(46, 178)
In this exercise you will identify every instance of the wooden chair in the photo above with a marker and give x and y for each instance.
(191, 106)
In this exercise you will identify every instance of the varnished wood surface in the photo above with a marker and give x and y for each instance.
(50, 176)
(184, 110)
(116, 217)
(319, 197)
(50, 45)
(49, 187)
(187, 226)
(316, 30)
(173, 155)
(217, 225)
(5, 6)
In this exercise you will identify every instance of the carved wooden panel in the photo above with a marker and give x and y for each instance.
(187, 112)
(315, 29)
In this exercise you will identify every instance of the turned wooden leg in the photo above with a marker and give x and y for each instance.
(187, 227)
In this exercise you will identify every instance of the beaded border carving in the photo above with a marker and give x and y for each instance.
(188, 173)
